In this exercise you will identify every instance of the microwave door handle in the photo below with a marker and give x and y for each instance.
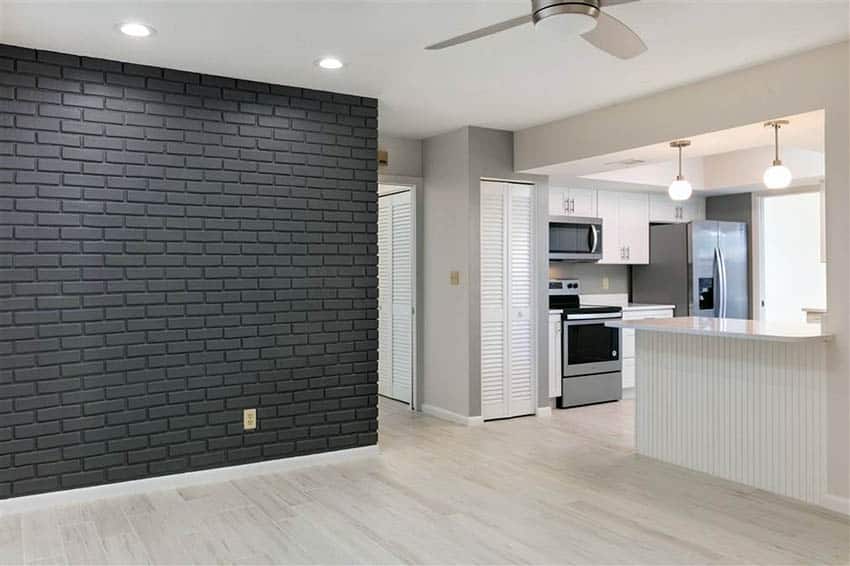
(594, 238)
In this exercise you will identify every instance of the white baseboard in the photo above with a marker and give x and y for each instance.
(447, 415)
(544, 411)
(159, 483)
(836, 503)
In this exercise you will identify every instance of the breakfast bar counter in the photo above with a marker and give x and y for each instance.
(740, 399)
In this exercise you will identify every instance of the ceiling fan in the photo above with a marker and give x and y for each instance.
(576, 17)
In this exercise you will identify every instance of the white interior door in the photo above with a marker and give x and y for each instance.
(521, 294)
(385, 300)
(507, 300)
(396, 279)
(494, 401)
(402, 297)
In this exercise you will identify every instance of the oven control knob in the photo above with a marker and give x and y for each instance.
(614, 353)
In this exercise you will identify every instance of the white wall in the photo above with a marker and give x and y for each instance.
(746, 168)
(794, 277)
(805, 82)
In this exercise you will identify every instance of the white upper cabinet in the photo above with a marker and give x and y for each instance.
(572, 202)
(625, 227)
(663, 210)
(634, 227)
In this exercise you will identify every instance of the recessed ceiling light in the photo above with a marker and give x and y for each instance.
(330, 63)
(135, 29)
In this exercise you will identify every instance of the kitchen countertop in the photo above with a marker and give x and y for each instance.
(730, 328)
(814, 310)
(648, 307)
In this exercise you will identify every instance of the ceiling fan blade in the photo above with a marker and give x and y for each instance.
(604, 3)
(483, 32)
(614, 37)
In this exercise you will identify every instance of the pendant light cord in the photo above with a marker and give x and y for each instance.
(680, 162)
(776, 136)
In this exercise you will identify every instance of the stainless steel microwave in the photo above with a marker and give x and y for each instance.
(576, 239)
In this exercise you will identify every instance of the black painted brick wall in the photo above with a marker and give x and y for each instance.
(174, 248)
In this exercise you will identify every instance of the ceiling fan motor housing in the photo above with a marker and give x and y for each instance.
(542, 9)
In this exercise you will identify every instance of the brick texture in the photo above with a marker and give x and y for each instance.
(175, 248)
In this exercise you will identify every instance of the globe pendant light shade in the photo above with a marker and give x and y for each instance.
(680, 189)
(777, 176)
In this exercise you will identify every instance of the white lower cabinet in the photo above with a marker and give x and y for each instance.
(555, 354)
(627, 340)
(508, 339)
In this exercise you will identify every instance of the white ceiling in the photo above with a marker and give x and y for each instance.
(510, 81)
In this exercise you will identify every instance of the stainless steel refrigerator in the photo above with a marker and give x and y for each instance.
(701, 267)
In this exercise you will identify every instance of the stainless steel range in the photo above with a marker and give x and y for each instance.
(591, 351)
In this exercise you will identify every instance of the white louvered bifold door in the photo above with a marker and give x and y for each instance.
(385, 310)
(494, 398)
(402, 297)
(395, 296)
(507, 300)
(521, 294)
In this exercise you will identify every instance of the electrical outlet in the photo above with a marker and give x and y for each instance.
(249, 419)
(454, 278)
(605, 283)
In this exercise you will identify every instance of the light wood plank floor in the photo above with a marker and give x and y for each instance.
(567, 489)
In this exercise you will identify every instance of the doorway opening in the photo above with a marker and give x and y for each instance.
(397, 293)
(793, 262)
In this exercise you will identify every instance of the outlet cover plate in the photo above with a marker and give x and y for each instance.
(249, 419)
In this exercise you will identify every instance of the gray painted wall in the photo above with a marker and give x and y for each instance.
(177, 247)
(731, 208)
(591, 274)
(405, 157)
(454, 164)
(445, 308)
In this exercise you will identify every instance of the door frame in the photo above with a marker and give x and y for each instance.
(758, 238)
(413, 185)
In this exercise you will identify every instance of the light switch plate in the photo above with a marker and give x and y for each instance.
(605, 283)
(249, 419)
(454, 278)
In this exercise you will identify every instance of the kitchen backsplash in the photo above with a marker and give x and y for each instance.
(592, 275)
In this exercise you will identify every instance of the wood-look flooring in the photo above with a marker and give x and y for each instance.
(565, 489)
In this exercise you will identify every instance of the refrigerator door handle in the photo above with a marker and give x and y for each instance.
(717, 275)
(723, 284)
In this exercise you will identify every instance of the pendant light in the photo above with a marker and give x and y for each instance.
(777, 175)
(680, 189)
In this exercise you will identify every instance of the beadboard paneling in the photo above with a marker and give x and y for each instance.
(748, 411)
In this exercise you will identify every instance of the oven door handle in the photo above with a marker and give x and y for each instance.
(593, 316)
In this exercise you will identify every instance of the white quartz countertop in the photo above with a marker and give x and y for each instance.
(647, 307)
(729, 328)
